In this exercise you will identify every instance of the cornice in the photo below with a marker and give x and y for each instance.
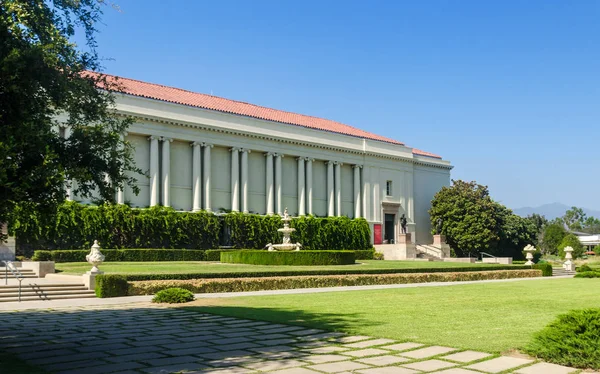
(287, 141)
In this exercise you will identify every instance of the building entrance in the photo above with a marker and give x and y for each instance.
(389, 229)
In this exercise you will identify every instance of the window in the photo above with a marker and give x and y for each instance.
(388, 188)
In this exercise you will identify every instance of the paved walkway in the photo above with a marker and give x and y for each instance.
(13, 306)
(146, 338)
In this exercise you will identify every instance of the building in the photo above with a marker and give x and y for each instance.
(209, 153)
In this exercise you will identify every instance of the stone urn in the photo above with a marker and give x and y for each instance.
(569, 265)
(529, 249)
(95, 257)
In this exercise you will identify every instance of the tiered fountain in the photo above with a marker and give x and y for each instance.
(287, 244)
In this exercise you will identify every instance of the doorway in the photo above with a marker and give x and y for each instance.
(388, 234)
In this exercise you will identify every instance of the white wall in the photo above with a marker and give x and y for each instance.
(319, 179)
(289, 182)
(347, 177)
(257, 167)
(220, 165)
(141, 158)
(181, 175)
(427, 182)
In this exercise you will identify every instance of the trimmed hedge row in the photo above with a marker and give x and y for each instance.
(130, 255)
(350, 270)
(300, 258)
(76, 226)
(280, 283)
(139, 255)
(588, 274)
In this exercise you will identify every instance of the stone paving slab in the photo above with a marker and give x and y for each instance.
(545, 368)
(369, 343)
(467, 356)
(296, 371)
(427, 352)
(429, 365)
(456, 371)
(318, 359)
(383, 360)
(337, 367)
(387, 370)
(497, 365)
(366, 352)
(402, 346)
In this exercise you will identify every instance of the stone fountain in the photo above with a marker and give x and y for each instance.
(287, 244)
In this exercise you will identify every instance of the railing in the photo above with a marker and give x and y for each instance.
(8, 265)
(487, 254)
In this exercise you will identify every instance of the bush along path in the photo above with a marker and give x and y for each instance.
(150, 338)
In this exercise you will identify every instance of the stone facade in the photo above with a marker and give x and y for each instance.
(213, 160)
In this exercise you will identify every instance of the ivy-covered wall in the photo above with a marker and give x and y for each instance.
(76, 226)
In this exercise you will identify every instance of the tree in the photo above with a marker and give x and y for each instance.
(537, 220)
(514, 232)
(45, 81)
(552, 237)
(591, 225)
(571, 240)
(574, 219)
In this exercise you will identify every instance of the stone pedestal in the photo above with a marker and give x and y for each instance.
(406, 248)
(89, 279)
(439, 241)
(41, 268)
(7, 248)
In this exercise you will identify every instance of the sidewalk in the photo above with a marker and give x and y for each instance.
(14, 306)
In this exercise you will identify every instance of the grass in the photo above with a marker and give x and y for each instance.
(215, 267)
(492, 317)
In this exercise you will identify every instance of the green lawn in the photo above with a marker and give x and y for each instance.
(493, 317)
(215, 267)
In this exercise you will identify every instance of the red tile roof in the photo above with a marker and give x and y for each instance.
(179, 96)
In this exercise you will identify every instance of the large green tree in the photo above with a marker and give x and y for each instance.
(45, 82)
(552, 237)
(571, 240)
(473, 222)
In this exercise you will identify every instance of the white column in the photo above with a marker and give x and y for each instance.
(278, 175)
(301, 188)
(196, 177)
(206, 175)
(338, 187)
(309, 197)
(68, 183)
(366, 177)
(235, 179)
(166, 170)
(410, 206)
(245, 180)
(153, 170)
(120, 191)
(330, 196)
(376, 204)
(357, 191)
(269, 183)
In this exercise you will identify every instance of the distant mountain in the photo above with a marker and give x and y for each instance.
(551, 211)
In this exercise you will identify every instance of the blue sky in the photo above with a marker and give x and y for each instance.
(508, 91)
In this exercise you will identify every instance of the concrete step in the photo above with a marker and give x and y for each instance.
(43, 294)
(53, 297)
(29, 288)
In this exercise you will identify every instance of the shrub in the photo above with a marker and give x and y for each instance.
(588, 274)
(111, 286)
(173, 296)
(289, 258)
(42, 256)
(129, 255)
(279, 283)
(583, 268)
(378, 256)
(571, 340)
(597, 250)
(545, 268)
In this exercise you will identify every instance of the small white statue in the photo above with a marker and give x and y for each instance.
(95, 257)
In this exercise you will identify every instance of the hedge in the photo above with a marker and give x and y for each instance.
(280, 283)
(111, 286)
(545, 268)
(137, 255)
(76, 226)
(345, 270)
(588, 274)
(300, 258)
(128, 255)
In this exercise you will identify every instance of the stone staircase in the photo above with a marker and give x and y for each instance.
(49, 291)
(560, 272)
(27, 273)
(429, 252)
